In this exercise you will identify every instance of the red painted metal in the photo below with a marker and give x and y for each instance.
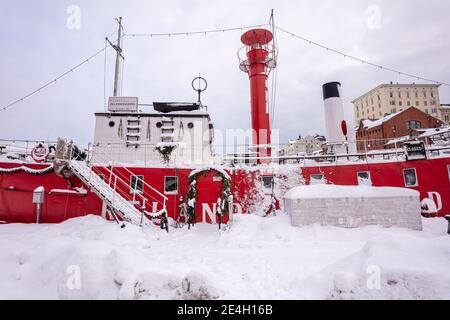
(16, 188)
(344, 127)
(257, 67)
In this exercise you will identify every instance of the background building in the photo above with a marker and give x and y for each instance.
(445, 109)
(303, 146)
(392, 98)
(398, 127)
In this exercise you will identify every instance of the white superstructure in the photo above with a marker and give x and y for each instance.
(138, 137)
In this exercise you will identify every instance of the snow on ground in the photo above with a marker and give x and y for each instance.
(258, 258)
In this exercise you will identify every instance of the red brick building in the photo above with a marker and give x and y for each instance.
(375, 134)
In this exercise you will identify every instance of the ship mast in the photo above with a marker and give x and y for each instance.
(119, 56)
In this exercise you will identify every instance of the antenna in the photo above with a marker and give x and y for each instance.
(200, 87)
(119, 55)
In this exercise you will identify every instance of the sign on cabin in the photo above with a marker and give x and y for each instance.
(123, 104)
(415, 151)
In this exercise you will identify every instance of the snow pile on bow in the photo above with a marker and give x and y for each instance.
(258, 258)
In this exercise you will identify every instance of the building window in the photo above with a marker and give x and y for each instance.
(408, 103)
(407, 94)
(399, 94)
(412, 124)
(432, 94)
(317, 179)
(416, 94)
(400, 103)
(417, 103)
(137, 184)
(425, 94)
(170, 185)
(410, 177)
(391, 94)
(425, 103)
(434, 110)
(392, 103)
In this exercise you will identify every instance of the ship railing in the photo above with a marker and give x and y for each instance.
(146, 155)
(283, 157)
(22, 148)
(102, 159)
(122, 185)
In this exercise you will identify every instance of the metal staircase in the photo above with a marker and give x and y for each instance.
(108, 194)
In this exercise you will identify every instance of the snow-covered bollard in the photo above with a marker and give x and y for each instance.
(38, 200)
(447, 217)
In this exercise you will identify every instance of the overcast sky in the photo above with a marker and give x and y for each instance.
(409, 35)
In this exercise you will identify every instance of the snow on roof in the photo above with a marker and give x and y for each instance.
(398, 140)
(369, 124)
(334, 192)
(433, 131)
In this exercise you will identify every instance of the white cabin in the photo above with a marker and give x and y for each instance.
(134, 137)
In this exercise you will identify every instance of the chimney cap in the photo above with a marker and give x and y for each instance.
(331, 90)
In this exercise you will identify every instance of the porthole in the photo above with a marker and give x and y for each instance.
(112, 124)
(158, 124)
(190, 125)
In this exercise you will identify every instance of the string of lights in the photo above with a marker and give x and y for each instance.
(188, 33)
(345, 55)
(125, 35)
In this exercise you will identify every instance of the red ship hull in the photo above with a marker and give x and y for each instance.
(16, 189)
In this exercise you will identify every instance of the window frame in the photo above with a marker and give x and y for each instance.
(368, 174)
(139, 177)
(175, 192)
(316, 175)
(415, 174)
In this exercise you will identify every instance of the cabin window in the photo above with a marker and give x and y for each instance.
(137, 184)
(410, 177)
(267, 181)
(364, 178)
(170, 185)
(317, 179)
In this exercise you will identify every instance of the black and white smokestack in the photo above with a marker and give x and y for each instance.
(334, 113)
(331, 90)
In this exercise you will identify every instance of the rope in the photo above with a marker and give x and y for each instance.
(188, 33)
(345, 55)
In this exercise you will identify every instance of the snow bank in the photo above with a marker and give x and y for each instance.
(258, 258)
(334, 192)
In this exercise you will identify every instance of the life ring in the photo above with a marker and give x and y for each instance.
(40, 153)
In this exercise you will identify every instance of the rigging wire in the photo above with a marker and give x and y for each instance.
(5, 107)
(73, 69)
(104, 76)
(274, 72)
(345, 55)
(192, 32)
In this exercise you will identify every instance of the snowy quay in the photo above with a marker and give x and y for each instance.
(257, 258)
